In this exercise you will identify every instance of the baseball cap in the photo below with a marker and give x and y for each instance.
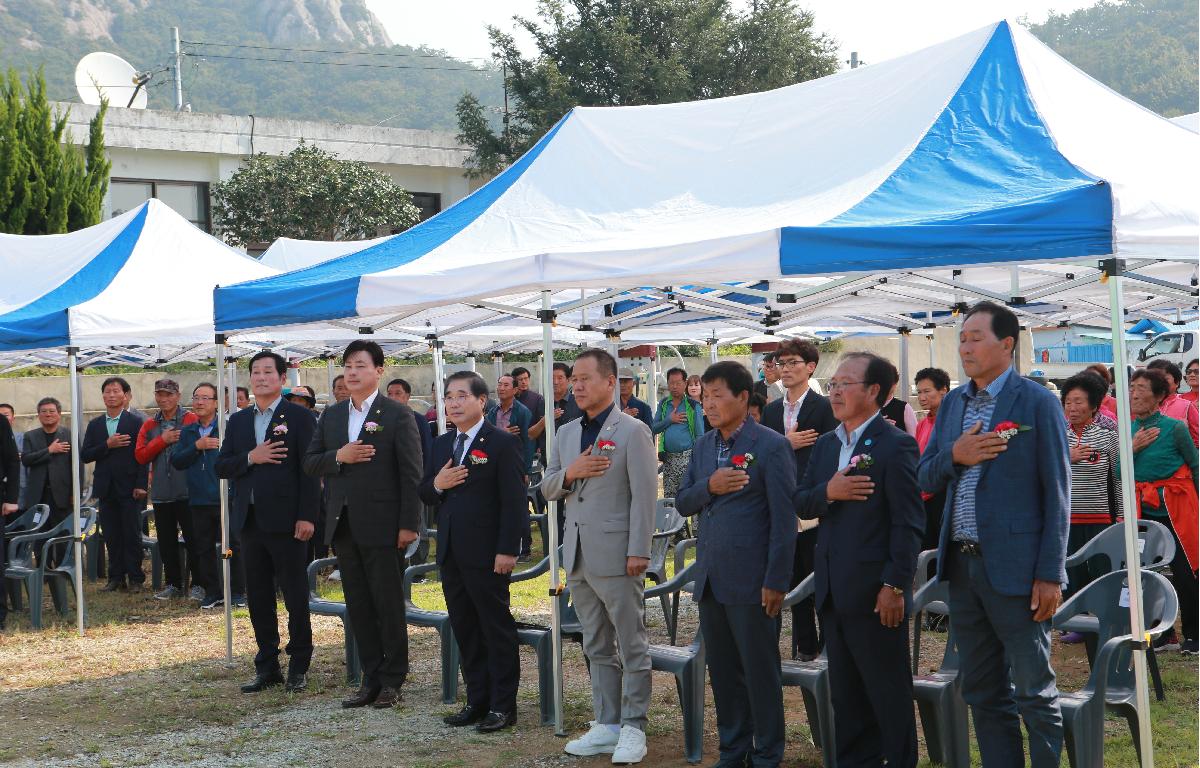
(166, 385)
(626, 373)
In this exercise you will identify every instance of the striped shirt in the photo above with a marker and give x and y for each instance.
(980, 406)
(1094, 478)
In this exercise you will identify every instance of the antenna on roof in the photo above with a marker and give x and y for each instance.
(106, 76)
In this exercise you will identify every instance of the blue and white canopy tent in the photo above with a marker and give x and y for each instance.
(986, 151)
(128, 290)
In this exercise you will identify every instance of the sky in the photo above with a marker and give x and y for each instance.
(876, 29)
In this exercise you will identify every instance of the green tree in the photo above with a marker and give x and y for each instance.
(308, 194)
(1146, 50)
(46, 184)
(629, 52)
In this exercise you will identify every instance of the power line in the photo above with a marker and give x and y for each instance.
(336, 63)
(326, 50)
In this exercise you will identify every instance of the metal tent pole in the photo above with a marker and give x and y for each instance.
(471, 361)
(547, 317)
(614, 343)
(223, 490)
(652, 394)
(76, 538)
(497, 366)
(439, 382)
(1113, 268)
(904, 387)
(330, 375)
(712, 350)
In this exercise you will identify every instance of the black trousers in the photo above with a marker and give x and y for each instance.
(478, 602)
(805, 636)
(933, 523)
(1183, 578)
(121, 524)
(206, 522)
(871, 683)
(373, 582)
(742, 649)
(277, 559)
(172, 518)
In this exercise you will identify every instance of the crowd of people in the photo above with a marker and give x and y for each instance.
(1000, 476)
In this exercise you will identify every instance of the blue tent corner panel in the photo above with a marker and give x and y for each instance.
(985, 184)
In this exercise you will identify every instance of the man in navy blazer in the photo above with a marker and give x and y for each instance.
(475, 480)
(119, 482)
(861, 483)
(740, 480)
(999, 451)
(275, 507)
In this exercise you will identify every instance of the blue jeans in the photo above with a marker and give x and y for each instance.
(1005, 673)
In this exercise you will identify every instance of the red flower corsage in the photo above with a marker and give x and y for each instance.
(742, 461)
(478, 457)
(605, 447)
(1007, 430)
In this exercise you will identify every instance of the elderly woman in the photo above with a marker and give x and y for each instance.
(1192, 375)
(1164, 466)
(1095, 492)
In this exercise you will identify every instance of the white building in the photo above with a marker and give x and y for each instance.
(178, 156)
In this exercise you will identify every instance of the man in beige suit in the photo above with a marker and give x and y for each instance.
(604, 463)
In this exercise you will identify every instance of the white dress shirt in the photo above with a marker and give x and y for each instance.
(849, 441)
(357, 417)
(471, 434)
(792, 410)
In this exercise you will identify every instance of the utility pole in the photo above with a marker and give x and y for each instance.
(178, 70)
(854, 60)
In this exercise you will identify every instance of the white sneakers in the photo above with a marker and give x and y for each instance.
(629, 746)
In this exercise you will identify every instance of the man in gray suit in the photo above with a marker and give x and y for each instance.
(47, 458)
(740, 479)
(604, 463)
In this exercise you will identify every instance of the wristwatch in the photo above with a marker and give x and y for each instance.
(895, 590)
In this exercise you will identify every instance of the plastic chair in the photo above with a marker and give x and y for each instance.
(538, 513)
(151, 547)
(30, 521)
(939, 694)
(1111, 684)
(322, 607)
(672, 621)
(668, 524)
(28, 555)
(812, 678)
(61, 577)
(687, 664)
(539, 639)
(1157, 548)
(439, 620)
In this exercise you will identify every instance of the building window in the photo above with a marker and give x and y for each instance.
(430, 203)
(187, 198)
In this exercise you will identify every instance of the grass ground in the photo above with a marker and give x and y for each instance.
(148, 685)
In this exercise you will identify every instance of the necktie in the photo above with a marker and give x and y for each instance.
(460, 445)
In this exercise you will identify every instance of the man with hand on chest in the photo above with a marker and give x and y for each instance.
(741, 477)
(275, 509)
(865, 558)
(368, 449)
(476, 482)
(603, 464)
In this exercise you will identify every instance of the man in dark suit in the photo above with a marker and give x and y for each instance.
(801, 416)
(999, 451)
(275, 509)
(401, 391)
(866, 555)
(565, 407)
(119, 482)
(740, 479)
(10, 489)
(630, 404)
(474, 479)
(47, 456)
(369, 451)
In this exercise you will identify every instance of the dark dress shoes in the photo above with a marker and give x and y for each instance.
(389, 696)
(113, 585)
(296, 682)
(468, 715)
(362, 697)
(262, 681)
(497, 721)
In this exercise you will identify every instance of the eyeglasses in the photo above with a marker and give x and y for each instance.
(790, 363)
(201, 398)
(1192, 371)
(834, 386)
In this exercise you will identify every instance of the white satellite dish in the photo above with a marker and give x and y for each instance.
(103, 75)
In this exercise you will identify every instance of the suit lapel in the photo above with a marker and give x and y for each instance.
(1005, 403)
(607, 432)
(806, 408)
(867, 440)
(375, 414)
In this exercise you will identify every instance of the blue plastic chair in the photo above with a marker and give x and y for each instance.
(687, 665)
(321, 607)
(28, 558)
(1111, 684)
(812, 678)
(939, 694)
(438, 620)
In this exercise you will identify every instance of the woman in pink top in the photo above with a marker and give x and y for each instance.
(932, 385)
(1174, 406)
(1191, 374)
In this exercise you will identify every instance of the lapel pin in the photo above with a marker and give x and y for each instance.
(868, 441)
